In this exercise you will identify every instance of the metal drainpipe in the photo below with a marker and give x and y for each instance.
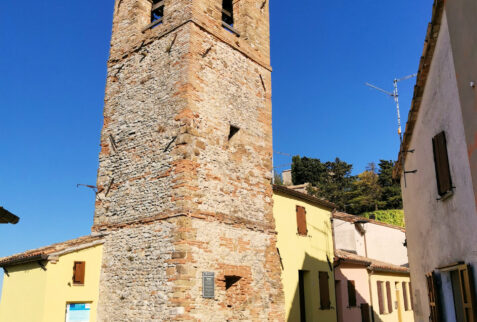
(365, 243)
(334, 268)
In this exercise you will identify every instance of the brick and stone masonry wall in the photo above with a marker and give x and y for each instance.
(176, 196)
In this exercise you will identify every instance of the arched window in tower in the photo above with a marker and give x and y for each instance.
(228, 16)
(157, 12)
(228, 12)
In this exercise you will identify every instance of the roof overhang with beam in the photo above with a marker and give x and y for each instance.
(6, 217)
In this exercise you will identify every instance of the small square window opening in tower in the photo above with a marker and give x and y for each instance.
(157, 12)
(228, 12)
(233, 130)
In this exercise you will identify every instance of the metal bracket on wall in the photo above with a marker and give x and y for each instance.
(41, 265)
(170, 143)
(169, 48)
(113, 143)
(280, 257)
(207, 51)
(263, 83)
(94, 188)
(404, 170)
(109, 187)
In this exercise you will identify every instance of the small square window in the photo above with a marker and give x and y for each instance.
(233, 130)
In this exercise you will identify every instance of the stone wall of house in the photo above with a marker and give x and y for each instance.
(177, 195)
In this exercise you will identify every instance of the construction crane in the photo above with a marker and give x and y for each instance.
(395, 95)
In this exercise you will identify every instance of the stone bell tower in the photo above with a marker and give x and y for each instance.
(184, 195)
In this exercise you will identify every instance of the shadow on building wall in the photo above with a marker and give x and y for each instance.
(312, 294)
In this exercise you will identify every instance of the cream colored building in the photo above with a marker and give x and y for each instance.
(55, 283)
(380, 291)
(438, 167)
(305, 247)
(371, 255)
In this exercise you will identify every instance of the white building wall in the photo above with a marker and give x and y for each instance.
(379, 242)
(386, 244)
(347, 237)
(439, 233)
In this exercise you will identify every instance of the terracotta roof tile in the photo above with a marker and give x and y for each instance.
(304, 196)
(43, 252)
(369, 263)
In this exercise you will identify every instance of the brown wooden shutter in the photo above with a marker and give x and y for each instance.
(404, 295)
(467, 292)
(411, 296)
(380, 297)
(78, 272)
(351, 294)
(441, 162)
(301, 220)
(433, 298)
(324, 291)
(389, 297)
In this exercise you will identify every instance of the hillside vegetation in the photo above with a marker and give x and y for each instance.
(373, 190)
(391, 216)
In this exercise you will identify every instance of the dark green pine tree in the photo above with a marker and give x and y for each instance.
(391, 189)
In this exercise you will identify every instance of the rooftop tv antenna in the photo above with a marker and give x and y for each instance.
(395, 95)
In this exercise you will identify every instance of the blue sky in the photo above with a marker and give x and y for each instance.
(53, 69)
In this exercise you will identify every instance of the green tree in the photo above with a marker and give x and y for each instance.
(330, 180)
(277, 179)
(366, 193)
(391, 189)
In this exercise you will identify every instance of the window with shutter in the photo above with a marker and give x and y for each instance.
(441, 163)
(467, 291)
(433, 298)
(411, 296)
(351, 294)
(389, 297)
(78, 273)
(324, 290)
(380, 297)
(404, 295)
(301, 220)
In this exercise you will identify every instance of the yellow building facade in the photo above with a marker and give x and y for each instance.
(305, 247)
(40, 285)
(43, 280)
(393, 303)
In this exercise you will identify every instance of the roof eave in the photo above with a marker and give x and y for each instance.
(6, 217)
(25, 260)
(424, 68)
(305, 197)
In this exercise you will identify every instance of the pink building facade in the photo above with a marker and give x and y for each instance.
(359, 276)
